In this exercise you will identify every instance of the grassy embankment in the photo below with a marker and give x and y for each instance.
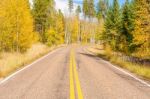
(10, 62)
(140, 70)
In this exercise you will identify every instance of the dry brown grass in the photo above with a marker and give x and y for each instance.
(143, 71)
(9, 62)
(138, 69)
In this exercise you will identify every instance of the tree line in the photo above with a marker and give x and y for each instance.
(127, 29)
(22, 24)
(122, 28)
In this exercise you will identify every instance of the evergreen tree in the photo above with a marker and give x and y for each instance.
(91, 9)
(42, 11)
(102, 9)
(127, 28)
(70, 4)
(85, 8)
(108, 26)
(112, 25)
(78, 10)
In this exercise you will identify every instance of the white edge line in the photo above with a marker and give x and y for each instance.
(26, 67)
(127, 73)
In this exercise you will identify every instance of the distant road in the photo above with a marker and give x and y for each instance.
(69, 73)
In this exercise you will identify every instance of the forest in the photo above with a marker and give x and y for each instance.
(123, 29)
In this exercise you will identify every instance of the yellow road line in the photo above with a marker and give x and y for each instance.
(77, 81)
(72, 92)
(74, 77)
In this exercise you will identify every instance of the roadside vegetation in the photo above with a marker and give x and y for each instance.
(127, 29)
(126, 35)
(27, 32)
(138, 69)
(122, 61)
(10, 62)
(123, 30)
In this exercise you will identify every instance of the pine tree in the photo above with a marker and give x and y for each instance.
(112, 25)
(108, 25)
(42, 12)
(126, 36)
(141, 31)
(102, 9)
(78, 10)
(85, 8)
(91, 9)
(71, 6)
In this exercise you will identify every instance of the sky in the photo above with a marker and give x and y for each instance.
(80, 1)
(63, 4)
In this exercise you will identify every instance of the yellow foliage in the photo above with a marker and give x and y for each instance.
(72, 24)
(17, 28)
(75, 29)
(141, 32)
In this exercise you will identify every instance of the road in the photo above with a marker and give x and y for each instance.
(72, 73)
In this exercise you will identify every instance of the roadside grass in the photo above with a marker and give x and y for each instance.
(143, 71)
(10, 62)
(138, 69)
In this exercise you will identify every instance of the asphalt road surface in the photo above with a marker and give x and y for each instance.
(72, 73)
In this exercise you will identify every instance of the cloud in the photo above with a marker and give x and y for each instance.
(63, 5)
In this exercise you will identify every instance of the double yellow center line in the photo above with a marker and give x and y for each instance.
(74, 79)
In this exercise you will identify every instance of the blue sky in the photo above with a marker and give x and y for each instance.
(80, 1)
(63, 4)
